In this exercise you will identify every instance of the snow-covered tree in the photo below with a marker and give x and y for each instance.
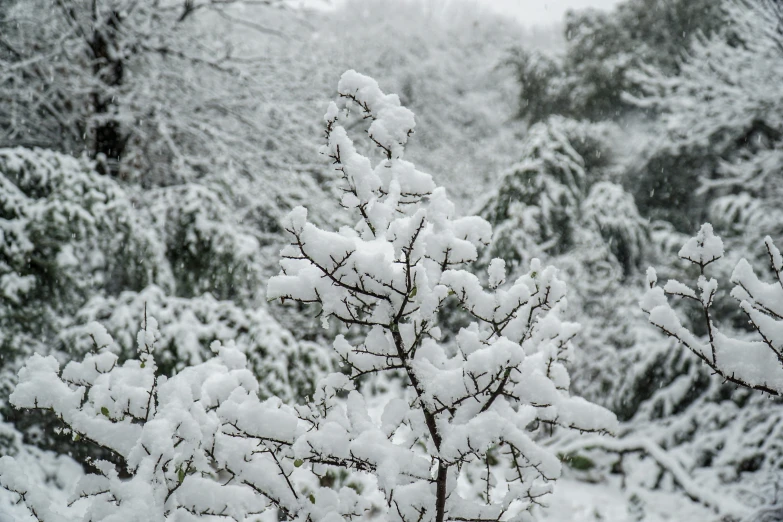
(603, 49)
(173, 436)
(202, 443)
(718, 155)
(139, 86)
(389, 276)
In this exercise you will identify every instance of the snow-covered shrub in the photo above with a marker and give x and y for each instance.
(535, 206)
(465, 410)
(285, 367)
(755, 363)
(201, 443)
(66, 234)
(47, 469)
(206, 246)
(66, 231)
(560, 196)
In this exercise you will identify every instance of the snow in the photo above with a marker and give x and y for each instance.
(704, 248)
(479, 355)
(497, 272)
(580, 501)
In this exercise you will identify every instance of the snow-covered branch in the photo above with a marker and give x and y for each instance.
(756, 364)
(647, 446)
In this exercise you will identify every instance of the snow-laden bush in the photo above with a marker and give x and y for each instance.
(201, 443)
(469, 408)
(208, 249)
(560, 196)
(286, 368)
(193, 444)
(535, 206)
(752, 363)
(67, 231)
(66, 234)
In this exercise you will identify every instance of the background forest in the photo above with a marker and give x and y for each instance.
(150, 151)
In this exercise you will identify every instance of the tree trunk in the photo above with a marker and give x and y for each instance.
(108, 69)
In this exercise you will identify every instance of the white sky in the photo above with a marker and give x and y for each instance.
(542, 12)
(528, 12)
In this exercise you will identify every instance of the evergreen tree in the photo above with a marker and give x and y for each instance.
(602, 51)
(719, 155)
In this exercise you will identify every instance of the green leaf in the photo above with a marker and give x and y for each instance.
(298, 463)
(577, 462)
(355, 486)
(77, 437)
(312, 498)
(492, 459)
(143, 365)
(105, 410)
(412, 293)
(181, 475)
